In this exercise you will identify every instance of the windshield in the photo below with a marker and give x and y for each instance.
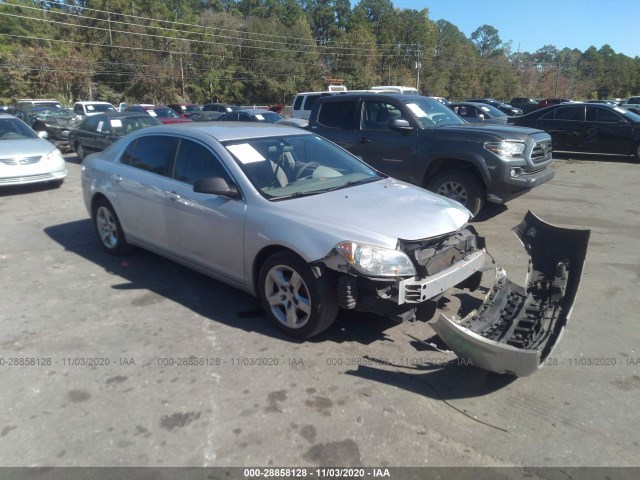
(51, 112)
(298, 165)
(191, 108)
(628, 114)
(267, 117)
(14, 129)
(431, 113)
(124, 125)
(100, 107)
(163, 112)
(491, 110)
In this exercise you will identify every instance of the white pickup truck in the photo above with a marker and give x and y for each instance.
(632, 104)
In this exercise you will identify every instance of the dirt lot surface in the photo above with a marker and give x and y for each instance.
(137, 361)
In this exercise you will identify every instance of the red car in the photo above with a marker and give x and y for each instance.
(163, 113)
(547, 102)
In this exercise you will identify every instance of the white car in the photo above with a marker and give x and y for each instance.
(308, 228)
(84, 109)
(25, 157)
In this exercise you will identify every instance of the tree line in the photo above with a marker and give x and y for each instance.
(265, 51)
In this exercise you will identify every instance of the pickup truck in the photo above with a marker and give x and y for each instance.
(418, 140)
(525, 104)
(632, 104)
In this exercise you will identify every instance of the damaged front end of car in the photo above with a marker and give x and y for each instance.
(516, 329)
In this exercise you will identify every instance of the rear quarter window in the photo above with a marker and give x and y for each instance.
(338, 114)
(311, 99)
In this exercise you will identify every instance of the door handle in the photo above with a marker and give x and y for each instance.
(116, 178)
(365, 140)
(172, 196)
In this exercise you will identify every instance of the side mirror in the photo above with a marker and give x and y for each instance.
(43, 134)
(400, 125)
(481, 117)
(216, 186)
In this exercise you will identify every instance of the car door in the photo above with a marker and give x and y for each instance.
(390, 151)
(140, 181)
(206, 230)
(607, 132)
(567, 127)
(103, 135)
(86, 133)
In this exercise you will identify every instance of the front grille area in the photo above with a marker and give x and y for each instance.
(26, 178)
(20, 160)
(437, 254)
(541, 151)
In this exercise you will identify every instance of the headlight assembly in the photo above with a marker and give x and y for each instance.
(376, 261)
(53, 155)
(505, 149)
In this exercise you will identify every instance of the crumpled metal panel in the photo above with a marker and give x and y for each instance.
(516, 329)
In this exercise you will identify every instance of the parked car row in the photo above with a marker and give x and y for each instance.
(26, 157)
(587, 128)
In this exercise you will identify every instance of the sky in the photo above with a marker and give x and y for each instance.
(532, 24)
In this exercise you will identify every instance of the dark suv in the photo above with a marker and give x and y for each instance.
(525, 104)
(421, 141)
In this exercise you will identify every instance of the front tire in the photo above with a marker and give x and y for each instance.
(459, 185)
(80, 151)
(298, 302)
(109, 229)
(636, 152)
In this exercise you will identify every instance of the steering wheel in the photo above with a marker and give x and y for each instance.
(308, 166)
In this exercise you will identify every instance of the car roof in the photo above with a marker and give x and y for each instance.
(30, 108)
(253, 111)
(224, 131)
(122, 114)
(377, 96)
(91, 102)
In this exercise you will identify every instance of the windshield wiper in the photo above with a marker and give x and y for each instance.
(329, 189)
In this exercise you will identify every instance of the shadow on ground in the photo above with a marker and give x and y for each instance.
(145, 271)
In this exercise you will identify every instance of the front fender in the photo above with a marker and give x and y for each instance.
(516, 329)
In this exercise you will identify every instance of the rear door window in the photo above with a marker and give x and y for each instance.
(570, 113)
(153, 153)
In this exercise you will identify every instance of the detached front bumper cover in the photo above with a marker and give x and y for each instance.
(516, 329)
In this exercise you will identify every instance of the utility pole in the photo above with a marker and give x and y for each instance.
(555, 90)
(418, 67)
(182, 78)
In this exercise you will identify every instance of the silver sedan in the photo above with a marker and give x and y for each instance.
(27, 158)
(285, 215)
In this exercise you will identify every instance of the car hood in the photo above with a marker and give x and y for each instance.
(58, 121)
(380, 212)
(27, 147)
(506, 131)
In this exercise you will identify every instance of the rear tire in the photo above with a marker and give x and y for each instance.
(298, 302)
(109, 229)
(460, 185)
(636, 152)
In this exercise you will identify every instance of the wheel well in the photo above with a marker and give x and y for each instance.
(261, 257)
(95, 199)
(441, 164)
